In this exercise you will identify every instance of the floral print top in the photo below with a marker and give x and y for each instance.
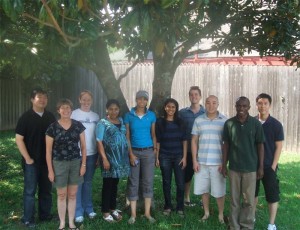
(65, 145)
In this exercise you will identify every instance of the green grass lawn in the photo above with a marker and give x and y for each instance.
(11, 188)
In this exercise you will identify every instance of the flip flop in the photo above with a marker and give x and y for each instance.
(109, 219)
(116, 215)
(189, 204)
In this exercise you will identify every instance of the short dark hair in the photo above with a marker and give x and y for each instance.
(264, 95)
(242, 98)
(64, 101)
(112, 102)
(195, 88)
(36, 91)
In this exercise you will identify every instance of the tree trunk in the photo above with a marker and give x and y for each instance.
(162, 84)
(106, 75)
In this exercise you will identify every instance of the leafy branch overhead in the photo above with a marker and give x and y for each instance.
(237, 27)
(48, 36)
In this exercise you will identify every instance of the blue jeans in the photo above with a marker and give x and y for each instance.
(84, 202)
(36, 175)
(168, 164)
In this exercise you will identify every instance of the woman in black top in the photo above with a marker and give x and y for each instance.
(66, 167)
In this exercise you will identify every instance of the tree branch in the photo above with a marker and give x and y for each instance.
(201, 51)
(37, 20)
(57, 27)
(55, 24)
(183, 51)
(128, 70)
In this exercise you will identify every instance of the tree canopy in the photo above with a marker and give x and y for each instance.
(170, 29)
(47, 36)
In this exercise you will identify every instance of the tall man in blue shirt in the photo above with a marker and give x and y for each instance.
(189, 115)
(273, 145)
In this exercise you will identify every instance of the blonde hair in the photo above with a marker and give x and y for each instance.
(85, 92)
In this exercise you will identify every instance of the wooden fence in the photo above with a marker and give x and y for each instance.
(225, 81)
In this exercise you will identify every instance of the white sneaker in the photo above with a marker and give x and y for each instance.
(79, 219)
(92, 215)
(272, 227)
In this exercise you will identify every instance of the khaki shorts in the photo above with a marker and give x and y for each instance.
(209, 180)
(66, 173)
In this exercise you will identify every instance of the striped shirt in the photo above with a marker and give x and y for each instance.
(210, 138)
(170, 136)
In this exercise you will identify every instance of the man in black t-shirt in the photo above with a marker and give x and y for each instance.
(30, 139)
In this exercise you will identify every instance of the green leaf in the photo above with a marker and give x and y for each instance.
(168, 3)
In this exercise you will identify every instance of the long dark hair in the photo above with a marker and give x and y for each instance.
(177, 120)
(173, 101)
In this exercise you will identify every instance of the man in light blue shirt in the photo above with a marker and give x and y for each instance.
(207, 156)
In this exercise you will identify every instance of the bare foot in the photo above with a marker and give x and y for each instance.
(221, 219)
(205, 217)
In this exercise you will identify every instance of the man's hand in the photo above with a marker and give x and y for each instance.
(29, 161)
(224, 171)
(220, 169)
(196, 166)
(183, 163)
(260, 173)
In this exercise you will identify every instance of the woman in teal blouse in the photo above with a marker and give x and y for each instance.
(113, 149)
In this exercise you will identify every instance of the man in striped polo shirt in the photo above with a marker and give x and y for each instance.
(207, 156)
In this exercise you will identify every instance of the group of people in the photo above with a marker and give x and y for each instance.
(195, 140)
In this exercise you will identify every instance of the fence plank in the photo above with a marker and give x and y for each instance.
(225, 81)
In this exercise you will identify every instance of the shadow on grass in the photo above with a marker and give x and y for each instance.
(287, 216)
(11, 189)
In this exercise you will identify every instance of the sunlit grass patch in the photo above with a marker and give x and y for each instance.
(11, 190)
